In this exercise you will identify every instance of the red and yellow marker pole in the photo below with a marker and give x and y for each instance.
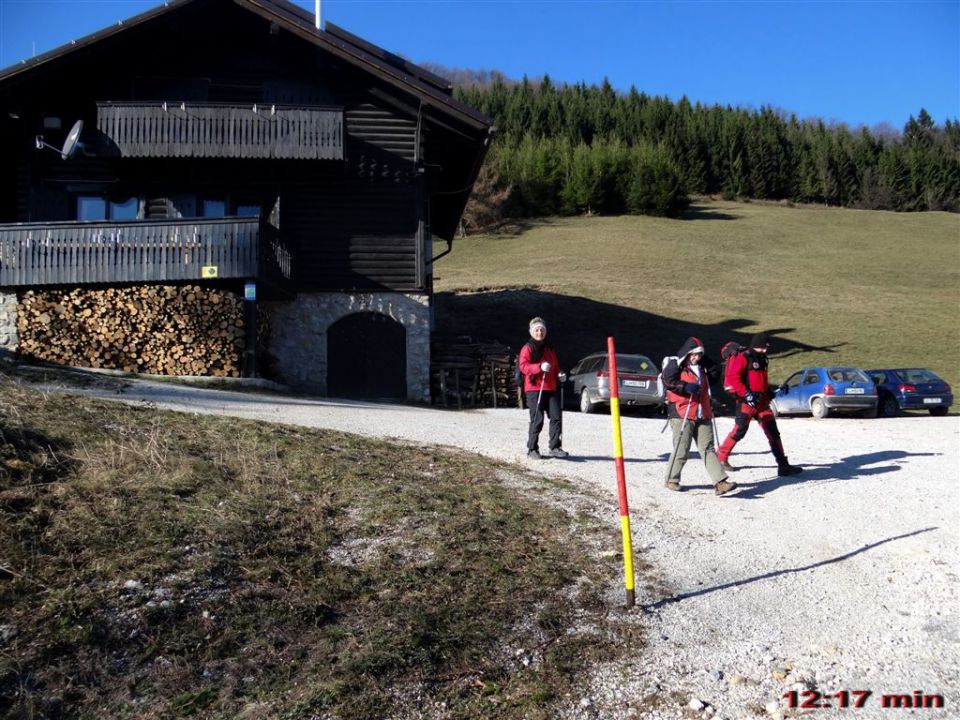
(621, 474)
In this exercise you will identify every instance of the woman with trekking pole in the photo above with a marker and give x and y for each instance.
(686, 379)
(541, 382)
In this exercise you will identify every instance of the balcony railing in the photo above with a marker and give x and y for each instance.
(186, 130)
(82, 253)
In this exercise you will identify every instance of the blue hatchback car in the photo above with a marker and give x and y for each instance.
(911, 389)
(820, 391)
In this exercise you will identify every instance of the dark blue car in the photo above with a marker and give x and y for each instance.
(911, 389)
(820, 391)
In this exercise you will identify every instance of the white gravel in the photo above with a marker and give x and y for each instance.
(842, 578)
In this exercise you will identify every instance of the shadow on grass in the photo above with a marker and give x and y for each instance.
(777, 573)
(515, 227)
(30, 458)
(580, 326)
(697, 212)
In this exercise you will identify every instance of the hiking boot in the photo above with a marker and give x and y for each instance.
(727, 466)
(724, 486)
(788, 469)
(533, 454)
(559, 453)
(673, 485)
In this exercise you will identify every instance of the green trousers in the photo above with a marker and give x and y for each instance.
(702, 432)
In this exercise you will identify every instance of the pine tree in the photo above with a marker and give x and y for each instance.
(655, 186)
(711, 148)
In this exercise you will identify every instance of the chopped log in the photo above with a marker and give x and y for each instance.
(171, 330)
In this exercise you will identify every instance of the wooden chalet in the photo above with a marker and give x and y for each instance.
(232, 144)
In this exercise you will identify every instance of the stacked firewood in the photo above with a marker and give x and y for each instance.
(161, 330)
(472, 373)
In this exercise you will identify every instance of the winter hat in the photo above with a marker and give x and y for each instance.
(759, 340)
(537, 321)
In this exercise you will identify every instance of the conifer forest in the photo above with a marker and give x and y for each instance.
(575, 149)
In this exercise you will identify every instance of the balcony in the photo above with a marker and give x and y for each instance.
(189, 130)
(145, 251)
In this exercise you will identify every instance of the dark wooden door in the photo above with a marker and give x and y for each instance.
(367, 357)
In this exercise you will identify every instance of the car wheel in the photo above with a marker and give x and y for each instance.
(938, 411)
(819, 408)
(585, 405)
(889, 406)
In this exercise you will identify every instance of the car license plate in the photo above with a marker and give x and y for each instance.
(636, 383)
(932, 401)
(854, 391)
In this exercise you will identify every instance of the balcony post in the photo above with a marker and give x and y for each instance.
(250, 325)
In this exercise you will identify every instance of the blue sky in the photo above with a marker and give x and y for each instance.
(863, 62)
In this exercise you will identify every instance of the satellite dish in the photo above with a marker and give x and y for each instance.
(72, 141)
(70, 145)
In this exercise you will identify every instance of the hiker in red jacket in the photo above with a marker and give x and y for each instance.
(541, 374)
(687, 380)
(746, 379)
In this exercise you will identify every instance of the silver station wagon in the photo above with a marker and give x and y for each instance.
(588, 382)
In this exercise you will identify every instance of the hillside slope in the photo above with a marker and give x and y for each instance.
(836, 286)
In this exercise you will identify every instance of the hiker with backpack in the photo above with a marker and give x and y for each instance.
(541, 382)
(686, 379)
(745, 378)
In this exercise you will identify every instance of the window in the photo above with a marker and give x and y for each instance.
(247, 210)
(847, 375)
(794, 380)
(127, 209)
(811, 377)
(91, 207)
(213, 207)
(98, 207)
(590, 365)
(917, 375)
(635, 364)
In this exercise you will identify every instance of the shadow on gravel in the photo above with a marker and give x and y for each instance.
(777, 573)
(849, 468)
(585, 458)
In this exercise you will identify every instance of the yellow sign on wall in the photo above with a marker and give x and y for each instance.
(208, 271)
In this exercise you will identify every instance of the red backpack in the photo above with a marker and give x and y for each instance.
(729, 350)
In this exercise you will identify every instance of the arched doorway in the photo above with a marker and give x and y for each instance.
(367, 357)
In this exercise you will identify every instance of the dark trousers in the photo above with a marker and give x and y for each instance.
(549, 402)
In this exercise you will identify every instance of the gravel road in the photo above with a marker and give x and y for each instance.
(843, 578)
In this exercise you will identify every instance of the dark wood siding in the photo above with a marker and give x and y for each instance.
(359, 228)
(377, 127)
(358, 222)
(352, 235)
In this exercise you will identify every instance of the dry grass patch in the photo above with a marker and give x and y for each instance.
(162, 565)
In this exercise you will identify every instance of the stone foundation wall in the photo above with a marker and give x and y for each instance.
(9, 339)
(298, 340)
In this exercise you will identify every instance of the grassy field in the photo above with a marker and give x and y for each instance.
(836, 286)
(163, 565)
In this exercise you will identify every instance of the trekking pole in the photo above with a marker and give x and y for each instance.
(676, 444)
(562, 383)
(713, 418)
(543, 381)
